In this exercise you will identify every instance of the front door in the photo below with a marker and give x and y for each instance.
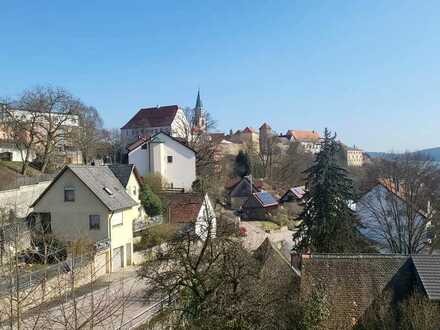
(117, 258)
(128, 253)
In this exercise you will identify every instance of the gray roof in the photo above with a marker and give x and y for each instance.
(122, 172)
(428, 268)
(102, 183)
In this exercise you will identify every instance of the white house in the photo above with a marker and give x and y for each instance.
(149, 121)
(167, 156)
(9, 151)
(90, 203)
(309, 140)
(193, 211)
(385, 214)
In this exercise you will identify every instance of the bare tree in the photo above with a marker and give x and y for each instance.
(216, 284)
(16, 293)
(112, 138)
(400, 209)
(55, 107)
(89, 133)
(199, 140)
(101, 305)
(21, 127)
(289, 168)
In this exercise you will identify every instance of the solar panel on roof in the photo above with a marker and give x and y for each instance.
(298, 191)
(266, 198)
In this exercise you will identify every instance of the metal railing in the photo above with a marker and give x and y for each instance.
(146, 315)
(103, 244)
(27, 280)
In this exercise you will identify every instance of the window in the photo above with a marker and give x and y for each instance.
(170, 159)
(134, 191)
(69, 194)
(94, 221)
(108, 191)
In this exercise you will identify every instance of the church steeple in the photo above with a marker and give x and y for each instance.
(199, 120)
(199, 104)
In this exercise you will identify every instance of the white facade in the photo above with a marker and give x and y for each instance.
(66, 120)
(16, 154)
(382, 213)
(206, 221)
(179, 127)
(355, 157)
(162, 154)
(311, 147)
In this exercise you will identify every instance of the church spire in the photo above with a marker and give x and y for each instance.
(199, 120)
(199, 104)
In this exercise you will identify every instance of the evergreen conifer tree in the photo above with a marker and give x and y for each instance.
(242, 165)
(328, 224)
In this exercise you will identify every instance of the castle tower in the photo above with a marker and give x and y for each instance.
(265, 135)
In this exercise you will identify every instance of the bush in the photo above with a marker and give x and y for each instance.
(156, 235)
(150, 201)
(155, 182)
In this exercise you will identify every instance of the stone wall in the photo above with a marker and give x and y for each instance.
(20, 199)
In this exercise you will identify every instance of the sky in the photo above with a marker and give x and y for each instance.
(369, 70)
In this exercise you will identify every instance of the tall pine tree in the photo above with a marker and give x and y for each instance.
(328, 224)
(242, 165)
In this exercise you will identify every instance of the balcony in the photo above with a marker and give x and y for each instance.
(103, 244)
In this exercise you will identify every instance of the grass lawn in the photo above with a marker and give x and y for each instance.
(267, 225)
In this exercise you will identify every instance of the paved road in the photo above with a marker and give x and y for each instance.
(116, 302)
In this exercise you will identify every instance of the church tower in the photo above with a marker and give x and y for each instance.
(199, 120)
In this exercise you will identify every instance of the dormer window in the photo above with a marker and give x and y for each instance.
(108, 191)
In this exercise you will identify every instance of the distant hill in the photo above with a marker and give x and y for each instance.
(433, 153)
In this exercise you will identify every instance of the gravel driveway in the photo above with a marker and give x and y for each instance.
(256, 236)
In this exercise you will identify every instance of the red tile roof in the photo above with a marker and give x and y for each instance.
(183, 208)
(137, 143)
(303, 135)
(153, 117)
(249, 130)
(217, 137)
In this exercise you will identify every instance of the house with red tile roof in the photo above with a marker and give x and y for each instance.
(249, 137)
(309, 140)
(193, 211)
(170, 119)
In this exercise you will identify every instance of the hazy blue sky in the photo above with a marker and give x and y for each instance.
(368, 69)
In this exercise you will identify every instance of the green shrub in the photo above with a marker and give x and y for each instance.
(150, 201)
(156, 235)
(155, 181)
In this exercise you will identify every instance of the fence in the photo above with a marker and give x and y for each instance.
(142, 224)
(146, 315)
(27, 280)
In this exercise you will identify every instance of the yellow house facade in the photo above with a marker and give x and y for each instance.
(90, 203)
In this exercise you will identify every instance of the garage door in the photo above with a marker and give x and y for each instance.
(118, 258)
